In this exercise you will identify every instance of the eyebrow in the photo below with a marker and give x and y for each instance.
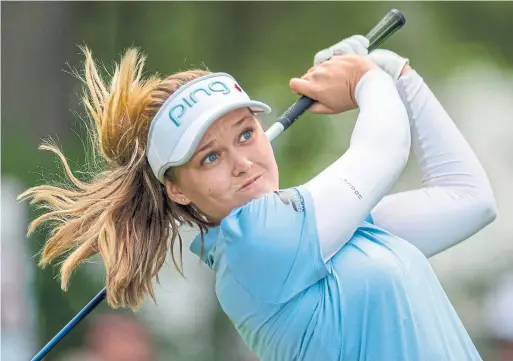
(203, 148)
(241, 120)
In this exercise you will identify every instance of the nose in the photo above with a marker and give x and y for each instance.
(241, 164)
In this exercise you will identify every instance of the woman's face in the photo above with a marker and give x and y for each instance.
(233, 164)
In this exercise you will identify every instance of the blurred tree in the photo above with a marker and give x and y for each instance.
(482, 26)
(37, 40)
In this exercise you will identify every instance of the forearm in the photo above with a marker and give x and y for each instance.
(456, 200)
(444, 156)
(346, 192)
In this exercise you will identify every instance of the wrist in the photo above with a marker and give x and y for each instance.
(373, 82)
(366, 67)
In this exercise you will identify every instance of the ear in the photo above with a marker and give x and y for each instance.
(175, 193)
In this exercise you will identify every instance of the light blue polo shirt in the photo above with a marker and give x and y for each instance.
(377, 299)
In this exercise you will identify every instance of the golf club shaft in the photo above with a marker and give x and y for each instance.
(66, 329)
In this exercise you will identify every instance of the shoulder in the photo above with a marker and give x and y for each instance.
(271, 247)
(273, 212)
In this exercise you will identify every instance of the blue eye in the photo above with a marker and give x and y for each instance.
(246, 135)
(211, 158)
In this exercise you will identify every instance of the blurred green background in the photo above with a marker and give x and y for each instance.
(462, 49)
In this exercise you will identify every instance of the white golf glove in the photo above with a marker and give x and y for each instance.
(356, 44)
(387, 60)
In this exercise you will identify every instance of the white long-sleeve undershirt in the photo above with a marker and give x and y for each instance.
(456, 199)
(346, 191)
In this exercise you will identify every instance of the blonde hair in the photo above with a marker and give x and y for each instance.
(123, 213)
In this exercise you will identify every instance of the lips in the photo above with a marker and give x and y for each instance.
(249, 183)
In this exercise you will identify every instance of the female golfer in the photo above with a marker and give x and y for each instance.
(332, 269)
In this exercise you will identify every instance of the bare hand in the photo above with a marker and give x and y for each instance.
(332, 83)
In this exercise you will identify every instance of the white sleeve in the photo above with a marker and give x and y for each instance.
(456, 199)
(345, 192)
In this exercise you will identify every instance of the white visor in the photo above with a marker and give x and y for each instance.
(183, 119)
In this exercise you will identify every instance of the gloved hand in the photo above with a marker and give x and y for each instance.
(387, 60)
(356, 44)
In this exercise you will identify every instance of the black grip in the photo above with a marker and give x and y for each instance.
(390, 23)
(387, 26)
(295, 111)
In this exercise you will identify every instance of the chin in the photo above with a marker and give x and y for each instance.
(257, 191)
(249, 196)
